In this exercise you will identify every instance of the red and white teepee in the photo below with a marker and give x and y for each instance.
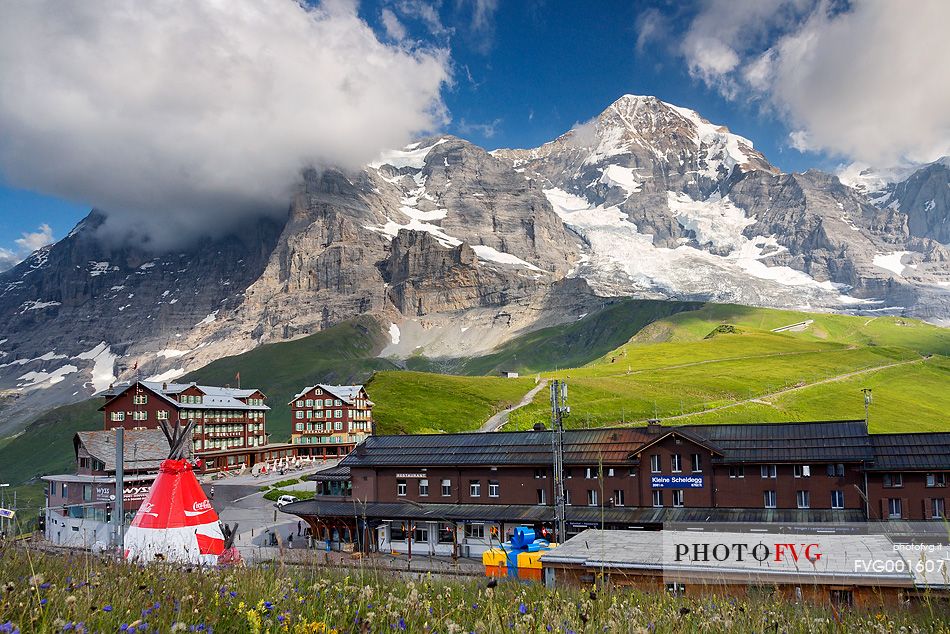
(176, 522)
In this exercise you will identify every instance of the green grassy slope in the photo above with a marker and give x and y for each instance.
(422, 402)
(343, 354)
(46, 446)
(568, 345)
(680, 365)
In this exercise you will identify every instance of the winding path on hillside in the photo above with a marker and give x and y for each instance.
(725, 359)
(499, 419)
(764, 398)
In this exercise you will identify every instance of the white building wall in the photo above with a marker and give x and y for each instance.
(467, 546)
(73, 532)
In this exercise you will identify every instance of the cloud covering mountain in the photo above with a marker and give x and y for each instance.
(181, 120)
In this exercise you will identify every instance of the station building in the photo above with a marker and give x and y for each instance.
(456, 494)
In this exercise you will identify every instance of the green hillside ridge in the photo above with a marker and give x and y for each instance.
(674, 367)
(566, 345)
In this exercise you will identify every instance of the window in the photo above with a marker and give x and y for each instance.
(770, 501)
(697, 465)
(676, 462)
(678, 497)
(446, 488)
(299, 426)
(162, 414)
(618, 497)
(318, 402)
(737, 472)
(475, 531)
(610, 473)
(568, 473)
(494, 489)
(803, 499)
(299, 403)
(421, 534)
(590, 473)
(118, 416)
(52, 488)
(655, 463)
(837, 499)
(894, 508)
(768, 470)
(140, 399)
(337, 426)
(893, 480)
(475, 488)
(337, 413)
(298, 414)
(802, 471)
(936, 480)
(540, 473)
(401, 487)
(446, 534)
(835, 470)
(591, 497)
(841, 598)
(139, 415)
(87, 492)
(937, 509)
(542, 496)
(423, 487)
(658, 498)
(676, 589)
(64, 489)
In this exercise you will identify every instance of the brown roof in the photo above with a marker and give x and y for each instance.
(144, 448)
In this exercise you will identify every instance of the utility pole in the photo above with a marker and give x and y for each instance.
(119, 512)
(559, 410)
(868, 399)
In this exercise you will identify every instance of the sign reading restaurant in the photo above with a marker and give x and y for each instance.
(410, 475)
(676, 481)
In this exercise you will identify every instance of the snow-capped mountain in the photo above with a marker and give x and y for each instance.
(460, 249)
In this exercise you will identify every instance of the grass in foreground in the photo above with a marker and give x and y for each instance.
(45, 593)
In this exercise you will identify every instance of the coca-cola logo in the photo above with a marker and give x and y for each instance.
(204, 505)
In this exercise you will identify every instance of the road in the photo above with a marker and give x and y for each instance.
(498, 420)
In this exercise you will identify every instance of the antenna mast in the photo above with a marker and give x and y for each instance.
(559, 410)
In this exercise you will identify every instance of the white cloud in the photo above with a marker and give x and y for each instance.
(867, 82)
(393, 26)
(179, 119)
(30, 242)
(25, 245)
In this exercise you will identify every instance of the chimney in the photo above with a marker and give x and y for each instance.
(654, 426)
(164, 387)
(539, 427)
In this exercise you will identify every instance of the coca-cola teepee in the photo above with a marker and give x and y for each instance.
(176, 521)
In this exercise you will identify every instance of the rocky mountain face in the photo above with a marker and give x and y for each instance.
(460, 249)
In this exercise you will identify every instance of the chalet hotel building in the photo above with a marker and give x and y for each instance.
(450, 493)
(230, 423)
(330, 420)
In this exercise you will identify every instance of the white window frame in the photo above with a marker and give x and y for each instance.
(770, 499)
(837, 499)
(424, 487)
(402, 488)
(475, 488)
(803, 499)
(592, 497)
(655, 466)
(676, 463)
(657, 498)
(494, 489)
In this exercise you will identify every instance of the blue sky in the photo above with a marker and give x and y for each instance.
(525, 72)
